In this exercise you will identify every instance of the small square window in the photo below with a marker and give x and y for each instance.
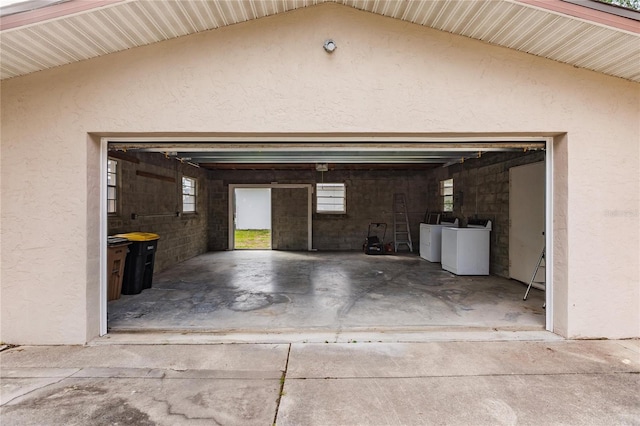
(331, 198)
(188, 195)
(446, 192)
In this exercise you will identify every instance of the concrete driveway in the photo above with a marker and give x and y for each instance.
(352, 383)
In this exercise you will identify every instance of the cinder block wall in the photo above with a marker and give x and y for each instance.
(218, 231)
(369, 199)
(484, 184)
(290, 220)
(150, 186)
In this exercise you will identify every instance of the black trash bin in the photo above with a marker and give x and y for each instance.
(138, 268)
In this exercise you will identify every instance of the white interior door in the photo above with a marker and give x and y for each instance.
(526, 222)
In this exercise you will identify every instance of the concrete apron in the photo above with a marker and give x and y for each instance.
(454, 383)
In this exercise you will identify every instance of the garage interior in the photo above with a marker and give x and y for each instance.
(201, 284)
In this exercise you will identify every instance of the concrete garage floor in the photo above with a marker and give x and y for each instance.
(277, 291)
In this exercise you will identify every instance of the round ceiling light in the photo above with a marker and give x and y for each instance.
(330, 46)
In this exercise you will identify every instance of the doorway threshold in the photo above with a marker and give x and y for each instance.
(370, 335)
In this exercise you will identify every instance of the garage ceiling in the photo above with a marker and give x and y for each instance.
(64, 32)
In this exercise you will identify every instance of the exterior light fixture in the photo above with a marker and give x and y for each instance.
(330, 46)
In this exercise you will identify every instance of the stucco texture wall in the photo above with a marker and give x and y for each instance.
(272, 75)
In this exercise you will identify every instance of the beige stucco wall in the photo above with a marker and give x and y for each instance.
(272, 75)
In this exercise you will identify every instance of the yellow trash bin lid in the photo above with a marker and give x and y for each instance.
(139, 236)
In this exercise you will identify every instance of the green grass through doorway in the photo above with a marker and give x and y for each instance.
(255, 239)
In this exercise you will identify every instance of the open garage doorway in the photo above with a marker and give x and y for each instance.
(290, 225)
(252, 219)
(316, 276)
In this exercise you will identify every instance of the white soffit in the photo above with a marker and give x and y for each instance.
(112, 25)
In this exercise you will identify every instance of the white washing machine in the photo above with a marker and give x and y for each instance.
(431, 240)
(465, 251)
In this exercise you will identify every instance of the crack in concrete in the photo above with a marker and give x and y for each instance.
(170, 412)
(282, 381)
(346, 308)
(40, 388)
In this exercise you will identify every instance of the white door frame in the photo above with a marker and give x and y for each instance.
(232, 206)
(548, 234)
(104, 156)
(104, 151)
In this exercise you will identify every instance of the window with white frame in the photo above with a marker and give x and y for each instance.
(446, 192)
(112, 186)
(188, 195)
(331, 198)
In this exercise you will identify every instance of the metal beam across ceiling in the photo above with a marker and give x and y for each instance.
(434, 153)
